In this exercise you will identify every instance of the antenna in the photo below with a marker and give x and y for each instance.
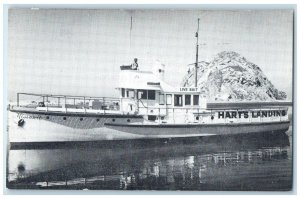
(130, 28)
(196, 64)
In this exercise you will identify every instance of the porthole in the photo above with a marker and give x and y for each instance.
(64, 118)
(81, 119)
(128, 120)
(197, 118)
(114, 120)
(98, 119)
(212, 117)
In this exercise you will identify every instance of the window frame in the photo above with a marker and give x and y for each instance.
(128, 93)
(185, 97)
(159, 99)
(198, 100)
(154, 96)
(123, 92)
(167, 97)
(144, 92)
(180, 102)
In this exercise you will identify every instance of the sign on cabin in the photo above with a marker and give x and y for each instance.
(188, 89)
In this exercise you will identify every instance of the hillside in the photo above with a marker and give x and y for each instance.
(230, 77)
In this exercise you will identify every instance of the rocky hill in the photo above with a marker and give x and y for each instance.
(230, 77)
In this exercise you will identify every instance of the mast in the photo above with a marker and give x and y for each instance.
(196, 64)
(130, 30)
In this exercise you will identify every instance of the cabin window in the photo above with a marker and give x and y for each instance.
(123, 92)
(187, 99)
(196, 99)
(151, 94)
(169, 99)
(177, 100)
(146, 94)
(142, 94)
(161, 99)
(130, 94)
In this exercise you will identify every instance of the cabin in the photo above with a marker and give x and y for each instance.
(146, 93)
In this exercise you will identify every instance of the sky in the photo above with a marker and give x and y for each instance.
(80, 51)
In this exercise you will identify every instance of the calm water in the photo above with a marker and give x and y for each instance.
(247, 162)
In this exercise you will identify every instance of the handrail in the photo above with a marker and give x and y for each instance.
(67, 96)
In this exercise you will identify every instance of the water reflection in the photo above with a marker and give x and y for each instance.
(248, 162)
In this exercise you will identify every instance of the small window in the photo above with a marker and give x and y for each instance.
(81, 119)
(187, 99)
(151, 94)
(177, 100)
(196, 99)
(142, 94)
(169, 99)
(161, 99)
(123, 92)
(130, 94)
(64, 118)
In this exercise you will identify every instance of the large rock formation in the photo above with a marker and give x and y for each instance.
(230, 77)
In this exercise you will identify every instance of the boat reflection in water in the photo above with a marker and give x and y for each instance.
(247, 162)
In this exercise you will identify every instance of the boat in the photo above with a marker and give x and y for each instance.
(147, 108)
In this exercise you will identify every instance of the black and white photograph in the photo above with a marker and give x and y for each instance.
(150, 99)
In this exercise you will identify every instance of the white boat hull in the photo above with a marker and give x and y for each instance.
(40, 127)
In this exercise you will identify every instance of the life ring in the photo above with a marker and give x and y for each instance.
(21, 122)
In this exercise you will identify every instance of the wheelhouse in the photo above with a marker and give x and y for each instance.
(144, 93)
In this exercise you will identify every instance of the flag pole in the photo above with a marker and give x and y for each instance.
(130, 29)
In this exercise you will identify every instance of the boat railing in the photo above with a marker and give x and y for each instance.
(67, 102)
